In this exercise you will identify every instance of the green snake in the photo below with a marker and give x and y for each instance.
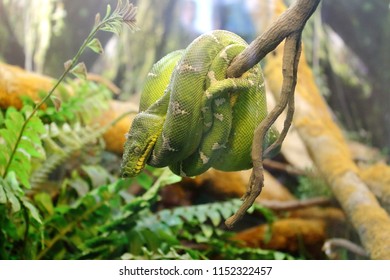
(192, 117)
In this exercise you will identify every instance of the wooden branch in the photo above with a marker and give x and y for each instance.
(290, 67)
(333, 160)
(291, 21)
(277, 205)
(287, 168)
(330, 244)
(289, 25)
(377, 178)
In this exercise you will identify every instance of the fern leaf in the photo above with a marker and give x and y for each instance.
(12, 200)
(17, 150)
(3, 197)
(61, 143)
(87, 102)
(33, 210)
(34, 129)
(159, 254)
(10, 192)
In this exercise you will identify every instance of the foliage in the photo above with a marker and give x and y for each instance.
(87, 99)
(21, 143)
(312, 186)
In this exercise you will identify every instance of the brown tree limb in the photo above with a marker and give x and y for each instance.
(291, 21)
(277, 205)
(289, 25)
(290, 66)
(330, 244)
(332, 157)
(287, 168)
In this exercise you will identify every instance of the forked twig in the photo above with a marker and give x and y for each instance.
(289, 25)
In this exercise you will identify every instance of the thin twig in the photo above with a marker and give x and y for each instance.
(278, 205)
(291, 21)
(289, 25)
(287, 123)
(283, 167)
(292, 49)
(343, 243)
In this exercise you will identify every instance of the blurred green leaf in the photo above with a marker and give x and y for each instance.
(44, 202)
(33, 211)
(96, 46)
(80, 71)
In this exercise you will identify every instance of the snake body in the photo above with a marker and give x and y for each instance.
(192, 117)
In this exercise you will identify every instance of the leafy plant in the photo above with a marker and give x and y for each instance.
(21, 134)
(312, 186)
(21, 142)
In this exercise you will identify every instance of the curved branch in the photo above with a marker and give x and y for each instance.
(289, 205)
(291, 21)
(331, 155)
(330, 244)
(289, 25)
(290, 68)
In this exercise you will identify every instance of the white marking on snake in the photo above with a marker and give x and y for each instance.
(234, 84)
(211, 75)
(215, 38)
(208, 94)
(182, 173)
(177, 109)
(204, 109)
(166, 145)
(208, 124)
(217, 146)
(224, 55)
(219, 101)
(252, 83)
(151, 74)
(186, 68)
(203, 157)
(218, 116)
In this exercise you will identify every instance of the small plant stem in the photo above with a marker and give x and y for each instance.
(59, 81)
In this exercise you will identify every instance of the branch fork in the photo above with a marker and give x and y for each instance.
(288, 26)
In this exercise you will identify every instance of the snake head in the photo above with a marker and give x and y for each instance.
(140, 141)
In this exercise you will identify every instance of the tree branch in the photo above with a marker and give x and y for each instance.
(331, 155)
(291, 21)
(330, 244)
(289, 205)
(289, 25)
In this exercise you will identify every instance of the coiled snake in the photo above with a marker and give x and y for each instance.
(192, 117)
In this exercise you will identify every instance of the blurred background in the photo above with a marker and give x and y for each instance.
(346, 42)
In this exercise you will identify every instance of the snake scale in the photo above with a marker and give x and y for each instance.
(192, 117)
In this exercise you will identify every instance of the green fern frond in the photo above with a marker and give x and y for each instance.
(214, 212)
(61, 143)
(197, 223)
(20, 142)
(232, 251)
(12, 195)
(84, 105)
(172, 254)
(84, 223)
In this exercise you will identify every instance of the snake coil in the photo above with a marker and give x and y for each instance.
(192, 117)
